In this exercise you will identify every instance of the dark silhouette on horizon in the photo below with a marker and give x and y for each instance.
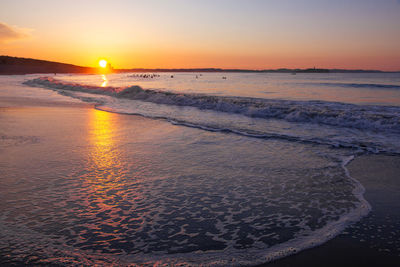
(16, 65)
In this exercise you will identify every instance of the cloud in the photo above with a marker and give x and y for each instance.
(12, 33)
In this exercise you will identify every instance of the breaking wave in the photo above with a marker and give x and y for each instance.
(380, 118)
(371, 128)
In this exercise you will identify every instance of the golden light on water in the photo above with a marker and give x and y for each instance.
(103, 162)
(105, 81)
(103, 63)
(106, 165)
(102, 138)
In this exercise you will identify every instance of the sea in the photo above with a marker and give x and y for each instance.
(203, 169)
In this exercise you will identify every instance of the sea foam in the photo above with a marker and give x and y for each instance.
(381, 118)
(366, 127)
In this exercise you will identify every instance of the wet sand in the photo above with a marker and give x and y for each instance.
(373, 241)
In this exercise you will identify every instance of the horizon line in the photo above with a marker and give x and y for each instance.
(216, 69)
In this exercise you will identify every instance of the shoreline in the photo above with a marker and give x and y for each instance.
(375, 239)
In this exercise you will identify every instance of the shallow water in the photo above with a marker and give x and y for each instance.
(91, 186)
(85, 186)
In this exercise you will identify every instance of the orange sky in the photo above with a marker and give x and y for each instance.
(192, 34)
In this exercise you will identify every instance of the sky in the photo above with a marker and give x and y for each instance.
(252, 34)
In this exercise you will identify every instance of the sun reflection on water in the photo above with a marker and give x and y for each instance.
(102, 125)
(105, 80)
(104, 166)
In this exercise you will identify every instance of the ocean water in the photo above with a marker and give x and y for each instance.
(336, 109)
(184, 170)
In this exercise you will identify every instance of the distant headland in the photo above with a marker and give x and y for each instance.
(16, 65)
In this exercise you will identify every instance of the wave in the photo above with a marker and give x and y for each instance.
(363, 85)
(375, 118)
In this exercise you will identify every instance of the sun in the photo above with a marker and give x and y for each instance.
(103, 63)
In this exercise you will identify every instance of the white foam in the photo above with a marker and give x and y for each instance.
(378, 118)
(369, 128)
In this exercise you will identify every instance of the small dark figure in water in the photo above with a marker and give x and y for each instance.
(172, 76)
(224, 78)
(145, 76)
